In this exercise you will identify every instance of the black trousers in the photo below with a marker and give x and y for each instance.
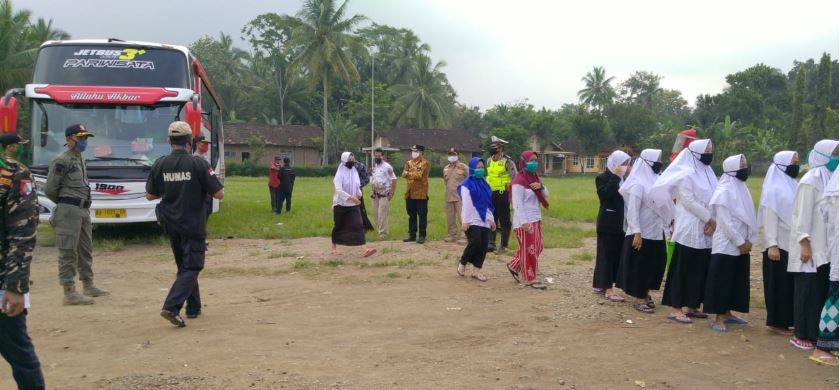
(477, 240)
(809, 292)
(189, 257)
(283, 196)
(16, 347)
(501, 204)
(778, 290)
(417, 210)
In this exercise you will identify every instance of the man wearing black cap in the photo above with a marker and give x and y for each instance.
(20, 220)
(416, 173)
(201, 148)
(182, 182)
(67, 186)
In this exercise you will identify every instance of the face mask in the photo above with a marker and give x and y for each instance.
(377, 160)
(415, 154)
(203, 148)
(832, 163)
(452, 159)
(743, 174)
(350, 164)
(531, 166)
(656, 166)
(493, 151)
(790, 170)
(478, 173)
(706, 158)
(81, 145)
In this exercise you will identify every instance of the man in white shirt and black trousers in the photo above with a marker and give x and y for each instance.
(181, 182)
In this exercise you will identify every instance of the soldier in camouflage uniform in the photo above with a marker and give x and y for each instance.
(19, 213)
(67, 186)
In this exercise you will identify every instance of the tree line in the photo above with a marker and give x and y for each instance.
(322, 66)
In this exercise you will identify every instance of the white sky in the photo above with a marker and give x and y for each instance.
(508, 51)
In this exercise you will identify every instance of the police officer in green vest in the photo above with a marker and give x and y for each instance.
(501, 169)
(67, 186)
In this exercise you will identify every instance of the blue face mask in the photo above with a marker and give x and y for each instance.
(478, 173)
(81, 145)
(531, 166)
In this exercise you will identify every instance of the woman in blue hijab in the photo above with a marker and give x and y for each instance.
(476, 218)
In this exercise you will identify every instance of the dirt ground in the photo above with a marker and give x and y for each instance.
(284, 315)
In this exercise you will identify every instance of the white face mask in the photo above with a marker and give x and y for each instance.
(415, 154)
(452, 159)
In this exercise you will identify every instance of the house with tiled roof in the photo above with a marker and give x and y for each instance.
(397, 142)
(302, 144)
(569, 158)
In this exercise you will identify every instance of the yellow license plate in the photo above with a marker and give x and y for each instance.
(111, 213)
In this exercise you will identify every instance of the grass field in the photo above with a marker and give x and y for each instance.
(246, 213)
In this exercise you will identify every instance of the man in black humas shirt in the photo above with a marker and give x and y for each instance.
(181, 182)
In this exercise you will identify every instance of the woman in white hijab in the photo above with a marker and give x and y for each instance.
(348, 228)
(610, 225)
(808, 261)
(692, 182)
(728, 280)
(775, 215)
(643, 254)
(827, 342)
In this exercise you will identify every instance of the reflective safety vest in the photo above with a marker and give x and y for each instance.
(497, 174)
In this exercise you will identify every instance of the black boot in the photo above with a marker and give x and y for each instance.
(410, 238)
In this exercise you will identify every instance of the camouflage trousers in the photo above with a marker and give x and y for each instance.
(74, 240)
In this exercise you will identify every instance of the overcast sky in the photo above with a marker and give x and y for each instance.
(503, 51)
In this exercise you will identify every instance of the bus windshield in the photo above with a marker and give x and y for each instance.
(124, 135)
(111, 65)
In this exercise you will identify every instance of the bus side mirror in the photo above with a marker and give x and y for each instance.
(192, 115)
(9, 111)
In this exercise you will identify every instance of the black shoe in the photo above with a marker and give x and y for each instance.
(193, 315)
(491, 248)
(503, 249)
(174, 318)
(421, 240)
(409, 239)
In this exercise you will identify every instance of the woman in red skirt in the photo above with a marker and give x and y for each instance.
(527, 194)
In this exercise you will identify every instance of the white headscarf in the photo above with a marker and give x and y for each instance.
(828, 209)
(347, 178)
(735, 196)
(642, 177)
(779, 190)
(685, 166)
(818, 175)
(615, 159)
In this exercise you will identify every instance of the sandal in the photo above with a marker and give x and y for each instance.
(537, 286)
(643, 307)
(479, 277)
(715, 328)
(513, 273)
(369, 252)
(801, 344)
(680, 319)
(780, 331)
(697, 314)
(649, 302)
(825, 360)
(613, 297)
(736, 321)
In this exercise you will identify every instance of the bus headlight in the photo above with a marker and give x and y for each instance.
(39, 188)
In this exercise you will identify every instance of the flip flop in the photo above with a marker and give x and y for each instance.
(679, 321)
(459, 270)
(714, 328)
(479, 277)
(537, 286)
(801, 344)
(697, 314)
(736, 321)
(780, 331)
(649, 302)
(613, 297)
(513, 273)
(830, 362)
(370, 252)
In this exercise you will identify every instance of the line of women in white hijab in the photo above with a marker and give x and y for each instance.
(714, 225)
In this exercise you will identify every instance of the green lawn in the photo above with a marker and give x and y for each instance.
(246, 213)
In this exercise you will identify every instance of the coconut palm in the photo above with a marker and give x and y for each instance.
(17, 53)
(323, 33)
(43, 31)
(599, 92)
(427, 100)
(403, 59)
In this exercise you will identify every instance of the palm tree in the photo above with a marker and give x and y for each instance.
(598, 92)
(323, 34)
(43, 31)
(427, 100)
(403, 58)
(17, 53)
